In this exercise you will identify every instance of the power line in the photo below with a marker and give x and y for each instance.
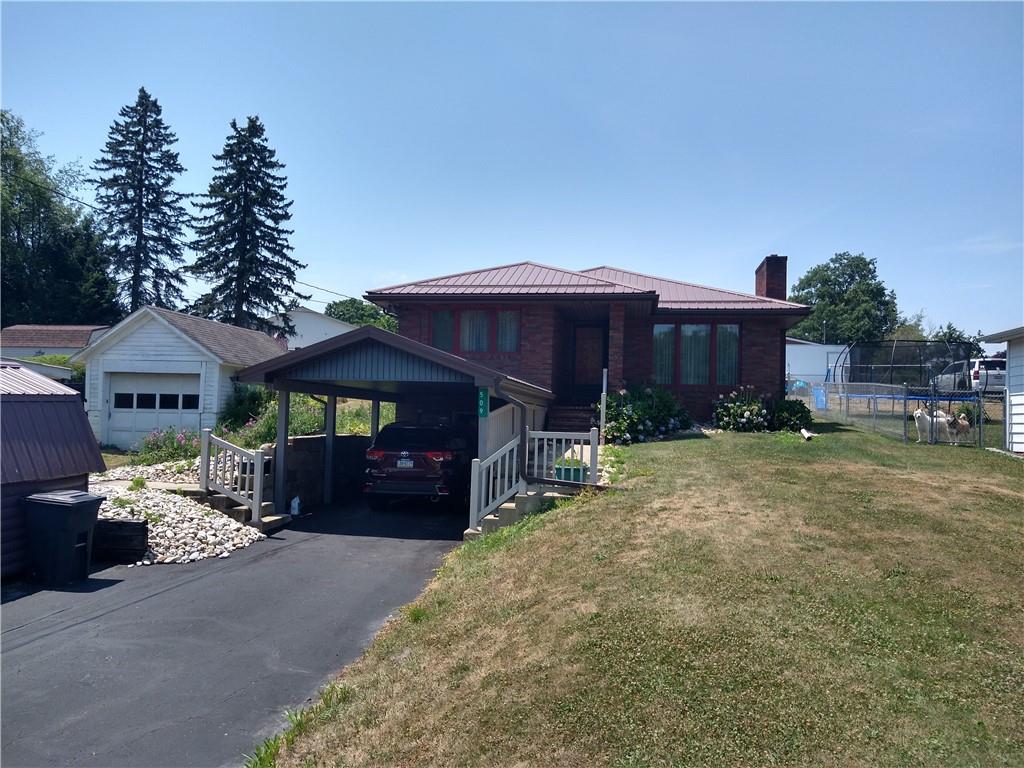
(178, 240)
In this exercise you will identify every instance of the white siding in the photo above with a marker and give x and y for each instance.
(312, 327)
(1015, 365)
(150, 347)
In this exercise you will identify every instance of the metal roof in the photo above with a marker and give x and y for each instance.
(44, 432)
(529, 279)
(523, 278)
(15, 379)
(675, 294)
(48, 335)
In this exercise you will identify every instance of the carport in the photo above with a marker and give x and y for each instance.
(424, 382)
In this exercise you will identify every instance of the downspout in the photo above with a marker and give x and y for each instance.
(521, 406)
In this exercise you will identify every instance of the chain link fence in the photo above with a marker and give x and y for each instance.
(923, 414)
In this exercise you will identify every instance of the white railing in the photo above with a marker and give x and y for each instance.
(502, 426)
(235, 472)
(493, 481)
(562, 456)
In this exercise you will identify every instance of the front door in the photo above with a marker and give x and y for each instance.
(588, 362)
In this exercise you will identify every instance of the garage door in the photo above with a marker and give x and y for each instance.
(142, 402)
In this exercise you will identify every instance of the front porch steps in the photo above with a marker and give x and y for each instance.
(269, 520)
(534, 500)
(570, 418)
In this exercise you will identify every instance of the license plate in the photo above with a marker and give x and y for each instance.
(404, 464)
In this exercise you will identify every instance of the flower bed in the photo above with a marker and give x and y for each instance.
(745, 411)
(643, 414)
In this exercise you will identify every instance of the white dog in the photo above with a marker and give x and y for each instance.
(923, 421)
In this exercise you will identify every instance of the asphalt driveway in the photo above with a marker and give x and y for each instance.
(193, 665)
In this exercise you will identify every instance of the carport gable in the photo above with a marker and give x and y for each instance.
(373, 363)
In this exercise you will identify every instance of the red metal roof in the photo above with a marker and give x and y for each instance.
(675, 294)
(48, 335)
(44, 432)
(529, 279)
(524, 278)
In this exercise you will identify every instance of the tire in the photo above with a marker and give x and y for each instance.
(377, 503)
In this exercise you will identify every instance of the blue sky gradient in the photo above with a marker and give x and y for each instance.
(688, 140)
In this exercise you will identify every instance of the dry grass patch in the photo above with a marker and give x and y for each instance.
(746, 600)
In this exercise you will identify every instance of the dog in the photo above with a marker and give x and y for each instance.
(924, 420)
(959, 426)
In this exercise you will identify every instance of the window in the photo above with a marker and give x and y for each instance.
(147, 401)
(664, 354)
(727, 354)
(190, 402)
(124, 400)
(993, 365)
(508, 331)
(168, 402)
(442, 330)
(474, 330)
(694, 354)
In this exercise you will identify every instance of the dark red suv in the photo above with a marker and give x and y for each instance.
(431, 461)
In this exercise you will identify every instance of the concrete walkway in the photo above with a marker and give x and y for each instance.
(193, 665)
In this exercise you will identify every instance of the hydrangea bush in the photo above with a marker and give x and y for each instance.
(641, 414)
(743, 410)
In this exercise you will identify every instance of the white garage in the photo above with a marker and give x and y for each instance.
(160, 369)
(1014, 404)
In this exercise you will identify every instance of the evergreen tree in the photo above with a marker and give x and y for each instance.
(243, 247)
(144, 216)
(54, 264)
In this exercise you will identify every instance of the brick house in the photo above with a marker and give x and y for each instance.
(559, 328)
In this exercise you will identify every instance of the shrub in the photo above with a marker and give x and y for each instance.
(742, 411)
(970, 410)
(245, 403)
(791, 415)
(746, 411)
(643, 414)
(169, 445)
(77, 369)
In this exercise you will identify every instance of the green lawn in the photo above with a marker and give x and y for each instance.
(744, 600)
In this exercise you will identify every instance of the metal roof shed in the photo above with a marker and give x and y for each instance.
(46, 444)
(376, 365)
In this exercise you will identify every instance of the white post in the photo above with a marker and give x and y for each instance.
(604, 399)
(374, 418)
(474, 494)
(280, 491)
(204, 461)
(1006, 418)
(330, 428)
(593, 455)
(257, 486)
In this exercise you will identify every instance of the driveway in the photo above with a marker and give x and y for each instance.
(194, 665)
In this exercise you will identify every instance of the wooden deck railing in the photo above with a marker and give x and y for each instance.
(235, 472)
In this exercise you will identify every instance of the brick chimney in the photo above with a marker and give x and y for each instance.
(770, 277)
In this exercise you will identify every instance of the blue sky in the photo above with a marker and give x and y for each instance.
(689, 140)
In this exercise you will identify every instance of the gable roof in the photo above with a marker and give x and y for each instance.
(280, 367)
(522, 278)
(228, 343)
(48, 335)
(675, 294)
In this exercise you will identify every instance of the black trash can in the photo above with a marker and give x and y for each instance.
(60, 525)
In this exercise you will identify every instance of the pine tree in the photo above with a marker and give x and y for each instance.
(143, 215)
(243, 248)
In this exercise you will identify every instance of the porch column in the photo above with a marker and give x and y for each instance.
(330, 428)
(616, 336)
(280, 473)
(374, 418)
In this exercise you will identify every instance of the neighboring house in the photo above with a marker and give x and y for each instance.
(45, 445)
(312, 327)
(158, 369)
(809, 361)
(1014, 339)
(558, 328)
(32, 340)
